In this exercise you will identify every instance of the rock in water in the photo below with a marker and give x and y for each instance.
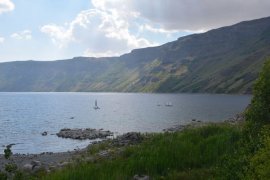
(82, 134)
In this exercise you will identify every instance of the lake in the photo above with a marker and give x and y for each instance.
(24, 116)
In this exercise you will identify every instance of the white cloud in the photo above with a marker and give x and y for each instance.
(24, 35)
(6, 5)
(103, 32)
(60, 36)
(2, 40)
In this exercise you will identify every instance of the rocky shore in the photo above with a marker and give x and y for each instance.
(35, 162)
(193, 124)
(50, 161)
(238, 118)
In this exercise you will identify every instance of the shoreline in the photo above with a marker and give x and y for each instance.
(50, 161)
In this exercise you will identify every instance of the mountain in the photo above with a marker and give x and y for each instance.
(224, 60)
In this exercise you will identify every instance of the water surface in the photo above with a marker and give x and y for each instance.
(24, 116)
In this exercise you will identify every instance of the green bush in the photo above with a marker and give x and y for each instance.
(10, 167)
(260, 162)
(251, 159)
(258, 114)
(260, 105)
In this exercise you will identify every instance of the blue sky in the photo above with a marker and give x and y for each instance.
(62, 29)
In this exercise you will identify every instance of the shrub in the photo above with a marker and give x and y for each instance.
(7, 152)
(260, 162)
(260, 106)
(251, 157)
(258, 114)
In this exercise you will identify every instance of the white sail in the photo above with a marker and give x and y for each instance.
(96, 106)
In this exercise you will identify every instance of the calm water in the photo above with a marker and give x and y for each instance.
(24, 116)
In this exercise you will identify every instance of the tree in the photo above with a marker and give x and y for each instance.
(258, 114)
(259, 110)
(7, 152)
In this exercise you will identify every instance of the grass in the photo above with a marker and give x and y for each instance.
(192, 154)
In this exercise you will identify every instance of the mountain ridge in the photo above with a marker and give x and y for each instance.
(222, 60)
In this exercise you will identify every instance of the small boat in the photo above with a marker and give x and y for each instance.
(96, 106)
(168, 104)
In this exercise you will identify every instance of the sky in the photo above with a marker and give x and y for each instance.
(62, 29)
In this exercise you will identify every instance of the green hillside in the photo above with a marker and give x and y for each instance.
(224, 60)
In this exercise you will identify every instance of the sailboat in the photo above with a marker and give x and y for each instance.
(96, 106)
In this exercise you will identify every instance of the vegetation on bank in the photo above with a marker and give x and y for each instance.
(192, 154)
(252, 158)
